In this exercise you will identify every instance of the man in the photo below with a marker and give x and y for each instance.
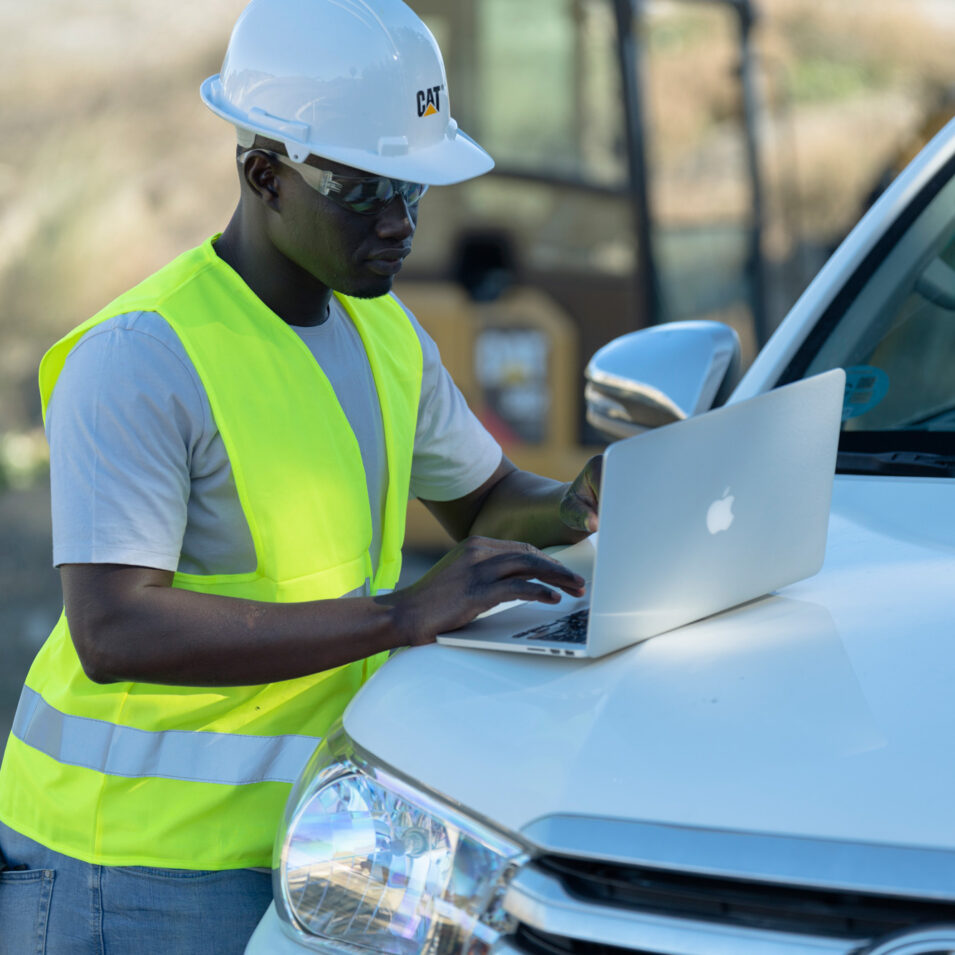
(233, 443)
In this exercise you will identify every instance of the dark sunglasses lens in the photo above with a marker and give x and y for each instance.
(360, 195)
(412, 192)
(369, 196)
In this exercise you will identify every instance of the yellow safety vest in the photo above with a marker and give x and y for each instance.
(197, 777)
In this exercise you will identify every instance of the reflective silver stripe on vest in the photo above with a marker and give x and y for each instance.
(203, 757)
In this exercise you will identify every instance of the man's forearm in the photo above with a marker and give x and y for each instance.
(129, 624)
(526, 506)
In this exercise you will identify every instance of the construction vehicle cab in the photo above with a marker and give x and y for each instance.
(625, 194)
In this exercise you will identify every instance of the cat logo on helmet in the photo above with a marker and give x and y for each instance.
(429, 101)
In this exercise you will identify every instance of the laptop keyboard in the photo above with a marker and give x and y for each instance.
(569, 629)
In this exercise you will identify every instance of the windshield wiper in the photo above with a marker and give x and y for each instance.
(901, 463)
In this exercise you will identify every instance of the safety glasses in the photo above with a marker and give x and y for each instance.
(366, 195)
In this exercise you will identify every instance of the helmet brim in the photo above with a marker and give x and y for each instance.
(443, 164)
(454, 158)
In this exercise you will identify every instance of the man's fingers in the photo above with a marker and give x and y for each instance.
(500, 558)
(580, 505)
(493, 545)
(536, 566)
(516, 588)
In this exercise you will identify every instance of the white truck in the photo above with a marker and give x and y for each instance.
(774, 779)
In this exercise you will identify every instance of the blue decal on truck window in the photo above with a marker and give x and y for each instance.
(866, 386)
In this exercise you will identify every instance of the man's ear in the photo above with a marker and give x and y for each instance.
(259, 175)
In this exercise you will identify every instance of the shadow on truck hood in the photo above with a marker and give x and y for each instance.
(823, 710)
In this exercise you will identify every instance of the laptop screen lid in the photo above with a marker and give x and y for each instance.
(696, 517)
(712, 511)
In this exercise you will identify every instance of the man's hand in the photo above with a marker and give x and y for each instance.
(580, 504)
(472, 577)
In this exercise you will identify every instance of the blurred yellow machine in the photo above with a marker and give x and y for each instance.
(626, 193)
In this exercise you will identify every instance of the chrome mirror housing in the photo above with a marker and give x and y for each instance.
(661, 374)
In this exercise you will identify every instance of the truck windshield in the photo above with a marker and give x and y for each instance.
(893, 331)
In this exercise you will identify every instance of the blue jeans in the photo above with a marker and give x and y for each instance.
(52, 904)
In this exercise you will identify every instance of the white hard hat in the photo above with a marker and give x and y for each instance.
(360, 82)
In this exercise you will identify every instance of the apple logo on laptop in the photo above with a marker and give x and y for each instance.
(720, 514)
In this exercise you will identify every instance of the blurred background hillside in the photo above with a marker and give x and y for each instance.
(112, 166)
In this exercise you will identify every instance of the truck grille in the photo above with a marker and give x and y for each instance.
(569, 906)
(741, 902)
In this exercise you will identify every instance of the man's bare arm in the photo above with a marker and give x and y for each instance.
(130, 623)
(520, 505)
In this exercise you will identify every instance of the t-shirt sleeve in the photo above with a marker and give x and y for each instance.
(453, 453)
(121, 426)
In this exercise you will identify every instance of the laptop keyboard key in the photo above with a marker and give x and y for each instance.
(569, 629)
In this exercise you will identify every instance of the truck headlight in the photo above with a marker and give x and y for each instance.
(368, 862)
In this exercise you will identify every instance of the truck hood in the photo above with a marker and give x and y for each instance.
(823, 710)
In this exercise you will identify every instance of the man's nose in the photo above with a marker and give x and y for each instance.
(397, 220)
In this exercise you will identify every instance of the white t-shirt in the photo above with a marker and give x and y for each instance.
(138, 471)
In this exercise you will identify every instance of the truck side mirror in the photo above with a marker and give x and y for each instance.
(661, 374)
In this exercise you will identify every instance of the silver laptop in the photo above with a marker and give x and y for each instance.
(696, 517)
